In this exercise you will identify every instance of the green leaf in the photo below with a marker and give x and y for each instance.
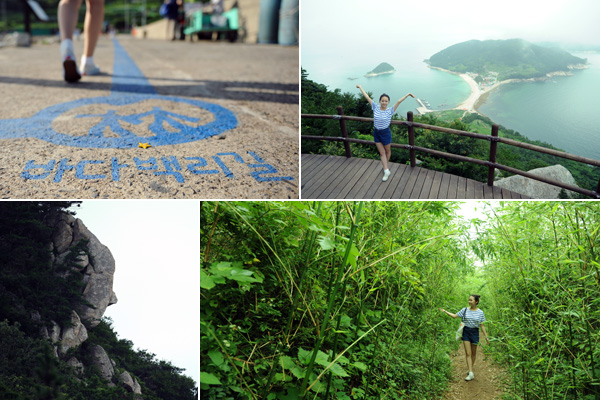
(303, 356)
(287, 362)
(326, 243)
(206, 282)
(298, 372)
(322, 358)
(352, 256)
(282, 377)
(337, 370)
(361, 366)
(216, 357)
(209, 379)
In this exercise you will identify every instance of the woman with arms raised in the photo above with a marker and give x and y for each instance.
(382, 116)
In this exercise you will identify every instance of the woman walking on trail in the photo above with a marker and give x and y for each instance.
(68, 11)
(382, 116)
(473, 318)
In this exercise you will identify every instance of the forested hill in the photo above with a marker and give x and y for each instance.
(513, 58)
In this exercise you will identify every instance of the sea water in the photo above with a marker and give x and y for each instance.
(562, 111)
(440, 89)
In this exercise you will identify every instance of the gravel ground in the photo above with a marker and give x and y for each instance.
(257, 84)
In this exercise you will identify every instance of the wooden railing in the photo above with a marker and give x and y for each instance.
(491, 163)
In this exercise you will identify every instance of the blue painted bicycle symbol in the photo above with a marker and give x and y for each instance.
(130, 89)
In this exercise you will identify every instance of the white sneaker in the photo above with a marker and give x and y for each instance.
(470, 377)
(90, 69)
(386, 175)
(70, 71)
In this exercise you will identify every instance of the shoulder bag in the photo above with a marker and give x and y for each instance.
(461, 326)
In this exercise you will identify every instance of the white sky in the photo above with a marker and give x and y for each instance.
(156, 246)
(360, 26)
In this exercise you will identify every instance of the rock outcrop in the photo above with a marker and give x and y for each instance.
(72, 336)
(97, 265)
(535, 189)
(101, 360)
(130, 383)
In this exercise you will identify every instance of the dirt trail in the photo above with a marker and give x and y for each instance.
(488, 381)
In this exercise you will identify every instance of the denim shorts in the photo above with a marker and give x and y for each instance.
(383, 136)
(470, 335)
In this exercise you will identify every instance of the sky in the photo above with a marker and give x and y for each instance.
(388, 25)
(156, 246)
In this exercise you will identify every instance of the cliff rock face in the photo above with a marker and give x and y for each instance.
(98, 268)
(536, 189)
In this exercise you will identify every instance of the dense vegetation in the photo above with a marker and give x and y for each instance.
(339, 300)
(316, 98)
(513, 58)
(325, 298)
(29, 285)
(542, 262)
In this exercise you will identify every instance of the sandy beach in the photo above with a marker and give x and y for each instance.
(478, 95)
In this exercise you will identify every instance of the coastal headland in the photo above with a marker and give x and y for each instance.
(479, 96)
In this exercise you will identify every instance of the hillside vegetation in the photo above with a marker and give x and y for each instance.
(511, 59)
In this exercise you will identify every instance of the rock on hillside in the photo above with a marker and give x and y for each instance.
(536, 189)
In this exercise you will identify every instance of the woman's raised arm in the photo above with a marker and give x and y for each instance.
(365, 94)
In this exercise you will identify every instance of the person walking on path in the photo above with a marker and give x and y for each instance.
(382, 116)
(473, 318)
(68, 11)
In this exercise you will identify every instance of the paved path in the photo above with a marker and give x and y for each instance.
(221, 120)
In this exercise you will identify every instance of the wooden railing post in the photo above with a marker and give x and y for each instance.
(340, 112)
(493, 149)
(411, 139)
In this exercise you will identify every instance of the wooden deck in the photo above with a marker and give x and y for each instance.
(333, 177)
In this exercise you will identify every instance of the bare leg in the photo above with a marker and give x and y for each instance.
(388, 151)
(383, 154)
(94, 16)
(473, 353)
(67, 17)
(469, 356)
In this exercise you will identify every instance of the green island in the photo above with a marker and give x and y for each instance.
(381, 69)
(505, 59)
(316, 98)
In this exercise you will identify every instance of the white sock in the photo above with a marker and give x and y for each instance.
(386, 171)
(66, 44)
(87, 61)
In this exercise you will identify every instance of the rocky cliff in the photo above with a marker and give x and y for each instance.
(97, 265)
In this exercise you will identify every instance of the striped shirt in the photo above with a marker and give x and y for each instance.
(381, 118)
(473, 318)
